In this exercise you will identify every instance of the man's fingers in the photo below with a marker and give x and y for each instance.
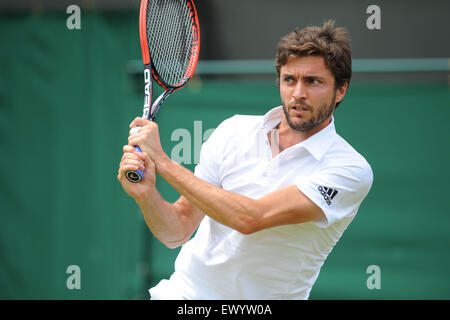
(135, 122)
(134, 130)
(146, 159)
(128, 149)
(134, 140)
(133, 162)
(132, 158)
(140, 122)
(138, 164)
(129, 166)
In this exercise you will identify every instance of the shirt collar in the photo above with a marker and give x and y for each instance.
(317, 144)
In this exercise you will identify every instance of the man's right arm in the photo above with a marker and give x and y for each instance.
(172, 224)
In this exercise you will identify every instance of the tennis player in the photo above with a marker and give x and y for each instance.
(271, 194)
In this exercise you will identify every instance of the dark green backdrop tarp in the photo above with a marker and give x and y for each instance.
(65, 104)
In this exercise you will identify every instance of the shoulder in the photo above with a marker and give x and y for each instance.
(342, 151)
(344, 156)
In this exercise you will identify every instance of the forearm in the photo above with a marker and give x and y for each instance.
(163, 219)
(228, 208)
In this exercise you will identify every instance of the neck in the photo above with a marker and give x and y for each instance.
(275, 137)
(288, 136)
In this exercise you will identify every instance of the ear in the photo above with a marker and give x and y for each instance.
(340, 93)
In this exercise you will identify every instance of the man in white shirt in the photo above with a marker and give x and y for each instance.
(271, 194)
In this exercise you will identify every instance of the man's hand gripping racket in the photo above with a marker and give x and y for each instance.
(170, 42)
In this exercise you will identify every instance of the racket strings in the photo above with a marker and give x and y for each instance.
(170, 38)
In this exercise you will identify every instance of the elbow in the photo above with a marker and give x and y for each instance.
(248, 226)
(170, 239)
(246, 221)
(246, 229)
(173, 244)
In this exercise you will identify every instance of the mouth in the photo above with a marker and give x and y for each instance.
(300, 109)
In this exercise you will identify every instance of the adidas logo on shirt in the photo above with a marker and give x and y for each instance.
(328, 194)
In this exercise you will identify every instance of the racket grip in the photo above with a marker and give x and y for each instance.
(138, 175)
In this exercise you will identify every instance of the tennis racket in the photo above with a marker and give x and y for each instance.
(170, 42)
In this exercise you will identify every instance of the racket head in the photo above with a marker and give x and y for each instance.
(170, 40)
(142, 33)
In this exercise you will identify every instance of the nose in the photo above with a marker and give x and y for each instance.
(299, 91)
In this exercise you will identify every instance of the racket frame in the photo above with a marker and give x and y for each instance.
(149, 65)
(150, 71)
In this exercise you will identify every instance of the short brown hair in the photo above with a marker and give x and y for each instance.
(332, 44)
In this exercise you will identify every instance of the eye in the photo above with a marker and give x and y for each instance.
(314, 81)
(288, 79)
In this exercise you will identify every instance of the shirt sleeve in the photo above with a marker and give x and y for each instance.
(211, 153)
(338, 191)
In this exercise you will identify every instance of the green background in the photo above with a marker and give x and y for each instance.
(66, 101)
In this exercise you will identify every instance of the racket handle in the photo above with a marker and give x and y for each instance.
(138, 175)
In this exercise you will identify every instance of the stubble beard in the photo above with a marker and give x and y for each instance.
(323, 114)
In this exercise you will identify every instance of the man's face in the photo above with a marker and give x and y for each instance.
(308, 93)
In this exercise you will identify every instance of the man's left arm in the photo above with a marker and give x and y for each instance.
(246, 215)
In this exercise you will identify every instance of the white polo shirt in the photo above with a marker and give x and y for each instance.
(281, 262)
